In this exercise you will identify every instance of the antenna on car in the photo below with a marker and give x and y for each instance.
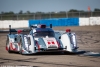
(9, 29)
(50, 25)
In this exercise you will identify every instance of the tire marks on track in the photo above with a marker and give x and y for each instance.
(85, 38)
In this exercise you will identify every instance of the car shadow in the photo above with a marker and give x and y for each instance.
(46, 53)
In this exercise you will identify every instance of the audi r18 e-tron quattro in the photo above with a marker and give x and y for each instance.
(40, 39)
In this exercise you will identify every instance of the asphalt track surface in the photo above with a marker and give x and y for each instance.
(88, 39)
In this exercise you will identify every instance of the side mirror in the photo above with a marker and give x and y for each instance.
(60, 37)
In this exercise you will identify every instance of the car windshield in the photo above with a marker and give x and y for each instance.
(44, 34)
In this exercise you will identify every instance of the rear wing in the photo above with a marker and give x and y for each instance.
(24, 31)
(15, 31)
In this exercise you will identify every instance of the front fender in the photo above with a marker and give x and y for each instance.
(69, 42)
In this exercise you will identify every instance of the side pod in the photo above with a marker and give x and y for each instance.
(69, 42)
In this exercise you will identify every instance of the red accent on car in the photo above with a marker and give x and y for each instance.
(38, 46)
(6, 48)
(12, 48)
(53, 42)
(58, 44)
(68, 30)
(42, 26)
(49, 43)
(19, 31)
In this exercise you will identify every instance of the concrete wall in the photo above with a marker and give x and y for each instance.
(89, 21)
(94, 20)
(83, 21)
(59, 22)
(14, 23)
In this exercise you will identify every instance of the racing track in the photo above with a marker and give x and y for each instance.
(88, 39)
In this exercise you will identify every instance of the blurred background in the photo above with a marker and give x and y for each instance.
(48, 15)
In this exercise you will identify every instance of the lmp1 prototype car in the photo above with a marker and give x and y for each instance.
(40, 39)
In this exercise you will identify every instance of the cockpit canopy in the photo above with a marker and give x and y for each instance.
(42, 31)
(44, 34)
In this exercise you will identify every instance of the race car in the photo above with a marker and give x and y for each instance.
(40, 39)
